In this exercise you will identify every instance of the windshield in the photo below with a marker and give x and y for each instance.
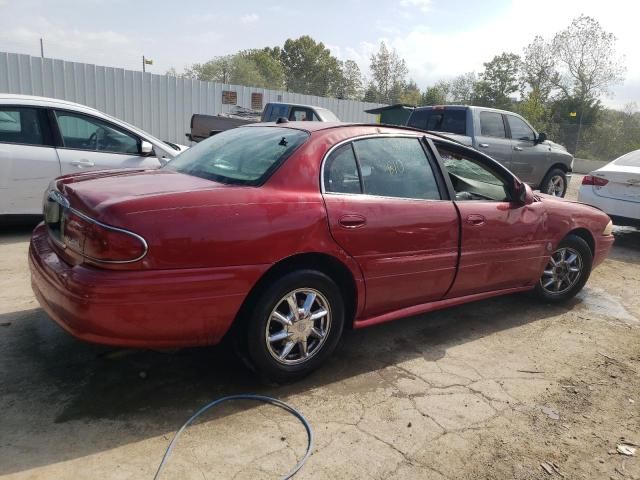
(245, 156)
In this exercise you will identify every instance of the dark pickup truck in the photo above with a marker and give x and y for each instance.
(505, 136)
(203, 126)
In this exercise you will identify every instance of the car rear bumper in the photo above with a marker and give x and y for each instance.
(145, 309)
(611, 206)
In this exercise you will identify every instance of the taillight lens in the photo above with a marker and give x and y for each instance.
(101, 243)
(596, 181)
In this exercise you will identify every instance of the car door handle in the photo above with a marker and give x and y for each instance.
(475, 219)
(352, 221)
(484, 145)
(517, 149)
(82, 163)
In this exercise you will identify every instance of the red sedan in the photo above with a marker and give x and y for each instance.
(292, 232)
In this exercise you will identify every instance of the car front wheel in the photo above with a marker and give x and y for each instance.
(567, 271)
(295, 325)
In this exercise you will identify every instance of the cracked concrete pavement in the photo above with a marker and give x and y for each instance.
(484, 391)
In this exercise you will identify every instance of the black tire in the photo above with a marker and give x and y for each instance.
(259, 320)
(572, 243)
(555, 174)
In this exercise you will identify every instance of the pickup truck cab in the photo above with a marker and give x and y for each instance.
(505, 136)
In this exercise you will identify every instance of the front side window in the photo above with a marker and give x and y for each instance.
(396, 167)
(519, 129)
(303, 115)
(82, 132)
(21, 125)
(341, 171)
(473, 179)
(245, 155)
(491, 125)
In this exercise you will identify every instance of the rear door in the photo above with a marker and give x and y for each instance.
(28, 159)
(389, 210)
(503, 243)
(492, 137)
(90, 143)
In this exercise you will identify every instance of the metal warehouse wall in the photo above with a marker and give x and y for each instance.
(160, 104)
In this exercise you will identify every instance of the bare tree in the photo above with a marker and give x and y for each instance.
(462, 88)
(586, 59)
(539, 70)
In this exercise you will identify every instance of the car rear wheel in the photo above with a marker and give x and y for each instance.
(295, 325)
(555, 183)
(567, 271)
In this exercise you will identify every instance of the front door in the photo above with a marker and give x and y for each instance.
(529, 161)
(503, 243)
(388, 210)
(90, 143)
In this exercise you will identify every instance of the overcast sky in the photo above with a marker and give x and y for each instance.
(438, 38)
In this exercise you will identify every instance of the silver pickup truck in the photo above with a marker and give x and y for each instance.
(505, 136)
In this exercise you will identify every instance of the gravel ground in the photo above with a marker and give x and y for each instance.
(489, 390)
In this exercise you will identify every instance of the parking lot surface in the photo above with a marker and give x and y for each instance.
(490, 390)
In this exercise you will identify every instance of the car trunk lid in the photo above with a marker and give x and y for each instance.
(623, 183)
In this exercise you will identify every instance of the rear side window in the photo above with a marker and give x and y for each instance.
(341, 171)
(396, 167)
(244, 155)
(491, 125)
(519, 129)
(440, 120)
(27, 126)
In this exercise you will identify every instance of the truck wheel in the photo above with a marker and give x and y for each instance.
(554, 183)
(295, 325)
(568, 270)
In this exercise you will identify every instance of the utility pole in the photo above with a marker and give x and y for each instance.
(41, 49)
(143, 64)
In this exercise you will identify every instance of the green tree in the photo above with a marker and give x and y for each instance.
(462, 88)
(498, 81)
(310, 68)
(437, 94)
(215, 70)
(411, 94)
(351, 81)
(268, 65)
(389, 72)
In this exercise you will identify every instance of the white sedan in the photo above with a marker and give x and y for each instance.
(43, 138)
(615, 189)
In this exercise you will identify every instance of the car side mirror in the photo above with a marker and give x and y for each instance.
(146, 148)
(523, 193)
(542, 137)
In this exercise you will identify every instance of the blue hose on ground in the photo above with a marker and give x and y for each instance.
(259, 398)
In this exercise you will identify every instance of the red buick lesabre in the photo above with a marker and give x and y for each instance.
(292, 232)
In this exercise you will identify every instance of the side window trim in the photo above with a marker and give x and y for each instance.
(54, 113)
(360, 179)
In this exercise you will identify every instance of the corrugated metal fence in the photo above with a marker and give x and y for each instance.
(160, 104)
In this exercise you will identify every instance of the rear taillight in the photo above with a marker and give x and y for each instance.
(99, 242)
(596, 181)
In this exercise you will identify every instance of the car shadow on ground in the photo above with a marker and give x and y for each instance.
(49, 379)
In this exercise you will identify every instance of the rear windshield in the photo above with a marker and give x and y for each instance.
(631, 159)
(245, 156)
(440, 120)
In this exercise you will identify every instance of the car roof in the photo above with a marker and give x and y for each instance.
(35, 100)
(377, 127)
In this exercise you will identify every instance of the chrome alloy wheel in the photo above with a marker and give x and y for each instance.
(556, 186)
(562, 272)
(298, 326)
